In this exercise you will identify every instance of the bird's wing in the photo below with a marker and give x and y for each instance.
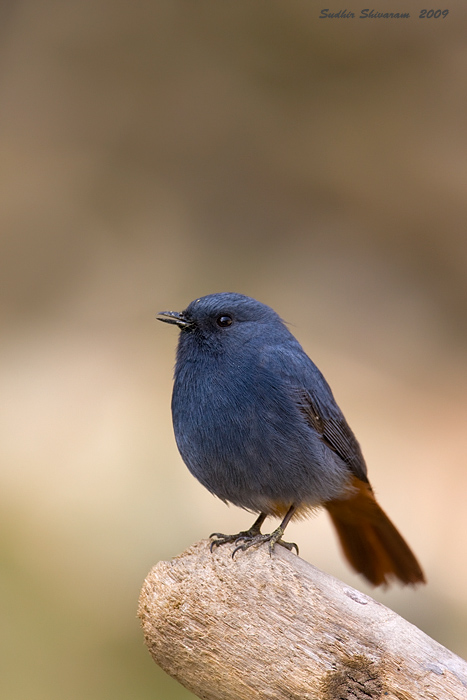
(317, 404)
(334, 431)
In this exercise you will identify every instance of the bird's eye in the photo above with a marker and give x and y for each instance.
(224, 321)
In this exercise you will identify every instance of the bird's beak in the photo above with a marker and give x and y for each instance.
(175, 317)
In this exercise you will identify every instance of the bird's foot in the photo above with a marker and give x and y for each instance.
(219, 538)
(251, 540)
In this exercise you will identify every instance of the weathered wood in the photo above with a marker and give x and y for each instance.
(277, 628)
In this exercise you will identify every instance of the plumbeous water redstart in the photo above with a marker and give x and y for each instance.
(257, 424)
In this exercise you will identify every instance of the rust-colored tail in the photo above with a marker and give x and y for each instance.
(370, 541)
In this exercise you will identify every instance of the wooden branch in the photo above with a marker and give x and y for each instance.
(277, 628)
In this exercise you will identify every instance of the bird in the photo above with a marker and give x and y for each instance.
(257, 424)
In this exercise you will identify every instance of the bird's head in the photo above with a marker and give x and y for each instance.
(221, 315)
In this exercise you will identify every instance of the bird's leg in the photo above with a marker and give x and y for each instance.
(272, 539)
(218, 538)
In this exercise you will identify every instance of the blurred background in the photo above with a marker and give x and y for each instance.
(154, 152)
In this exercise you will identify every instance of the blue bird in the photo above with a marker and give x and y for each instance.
(257, 424)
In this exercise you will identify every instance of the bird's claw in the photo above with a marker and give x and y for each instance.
(220, 538)
(257, 539)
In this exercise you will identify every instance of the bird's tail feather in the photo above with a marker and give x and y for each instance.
(371, 543)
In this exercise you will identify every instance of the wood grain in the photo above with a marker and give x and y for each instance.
(277, 628)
